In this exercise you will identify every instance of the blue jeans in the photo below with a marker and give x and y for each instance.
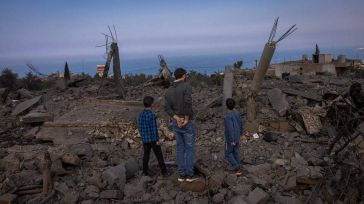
(185, 138)
(232, 155)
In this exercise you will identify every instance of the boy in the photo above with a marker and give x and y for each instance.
(233, 130)
(149, 132)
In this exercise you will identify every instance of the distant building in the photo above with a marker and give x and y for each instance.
(301, 67)
(100, 69)
(324, 58)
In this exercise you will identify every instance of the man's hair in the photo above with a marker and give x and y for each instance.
(230, 103)
(148, 101)
(179, 72)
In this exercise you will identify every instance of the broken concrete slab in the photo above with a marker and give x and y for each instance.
(36, 118)
(258, 196)
(21, 107)
(278, 101)
(310, 120)
(311, 96)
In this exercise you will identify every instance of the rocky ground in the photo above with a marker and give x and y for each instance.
(294, 156)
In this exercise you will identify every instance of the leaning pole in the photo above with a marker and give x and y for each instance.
(262, 68)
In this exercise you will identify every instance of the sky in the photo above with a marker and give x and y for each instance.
(45, 29)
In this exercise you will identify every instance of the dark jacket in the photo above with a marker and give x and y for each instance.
(233, 127)
(179, 100)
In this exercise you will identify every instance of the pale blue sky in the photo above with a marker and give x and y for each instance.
(33, 29)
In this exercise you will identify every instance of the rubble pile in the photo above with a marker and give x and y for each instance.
(308, 147)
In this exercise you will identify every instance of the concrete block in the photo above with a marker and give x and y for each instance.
(258, 196)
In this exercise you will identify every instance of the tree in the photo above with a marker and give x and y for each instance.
(32, 82)
(238, 64)
(317, 50)
(67, 75)
(8, 79)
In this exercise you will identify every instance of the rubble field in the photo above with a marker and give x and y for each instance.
(307, 146)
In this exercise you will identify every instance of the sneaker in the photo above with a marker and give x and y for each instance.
(191, 178)
(181, 178)
(238, 172)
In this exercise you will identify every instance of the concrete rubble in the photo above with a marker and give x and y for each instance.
(96, 150)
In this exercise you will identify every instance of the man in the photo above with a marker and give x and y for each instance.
(178, 106)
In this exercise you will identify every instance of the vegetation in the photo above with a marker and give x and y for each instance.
(238, 64)
(8, 79)
(136, 79)
(32, 82)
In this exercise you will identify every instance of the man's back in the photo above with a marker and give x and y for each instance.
(179, 99)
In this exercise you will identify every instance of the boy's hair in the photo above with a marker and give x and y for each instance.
(179, 72)
(230, 103)
(148, 101)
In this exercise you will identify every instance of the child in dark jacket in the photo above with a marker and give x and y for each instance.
(149, 133)
(233, 131)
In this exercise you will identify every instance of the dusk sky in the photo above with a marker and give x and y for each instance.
(68, 28)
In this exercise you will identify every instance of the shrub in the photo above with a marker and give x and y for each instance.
(8, 79)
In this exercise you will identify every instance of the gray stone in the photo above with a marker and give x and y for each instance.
(238, 200)
(278, 100)
(71, 197)
(287, 200)
(115, 175)
(110, 194)
(261, 169)
(291, 183)
(87, 202)
(92, 191)
(230, 180)
(218, 177)
(258, 196)
(198, 201)
(298, 161)
(241, 189)
(37, 118)
(131, 167)
(21, 107)
(132, 190)
(218, 198)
